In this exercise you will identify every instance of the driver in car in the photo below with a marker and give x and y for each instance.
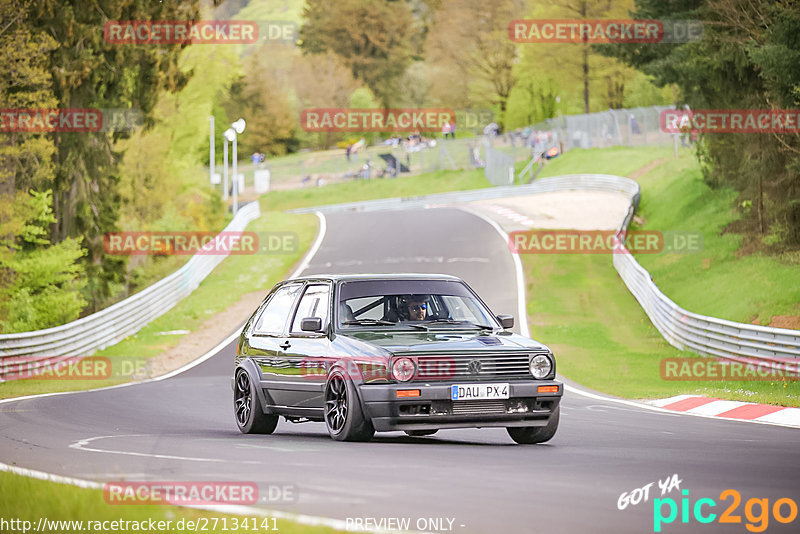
(415, 307)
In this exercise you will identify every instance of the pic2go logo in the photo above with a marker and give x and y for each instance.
(756, 511)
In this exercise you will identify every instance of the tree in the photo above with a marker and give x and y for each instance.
(749, 58)
(25, 82)
(88, 72)
(470, 54)
(321, 81)
(600, 80)
(374, 39)
(40, 283)
(532, 100)
(262, 97)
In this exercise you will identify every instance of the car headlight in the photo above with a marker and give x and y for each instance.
(403, 369)
(541, 366)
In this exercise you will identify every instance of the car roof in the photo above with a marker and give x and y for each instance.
(392, 276)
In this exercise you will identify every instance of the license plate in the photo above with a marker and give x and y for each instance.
(478, 391)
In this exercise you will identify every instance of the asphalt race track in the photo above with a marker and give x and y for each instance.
(182, 428)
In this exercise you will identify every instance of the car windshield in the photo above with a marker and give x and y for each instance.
(419, 304)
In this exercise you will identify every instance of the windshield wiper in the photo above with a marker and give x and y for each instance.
(369, 322)
(424, 324)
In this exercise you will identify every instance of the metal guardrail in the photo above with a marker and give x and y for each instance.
(108, 326)
(686, 330)
(681, 328)
(710, 336)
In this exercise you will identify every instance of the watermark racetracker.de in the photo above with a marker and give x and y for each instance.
(684, 369)
(375, 120)
(202, 243)
(604, 31)
(371, 368)
(197, 493)
(78, 367)
(181, 493)
(55, 368)
(162, 32)
(180, 31)
(730, 120)
(69, 120)
(604, 242)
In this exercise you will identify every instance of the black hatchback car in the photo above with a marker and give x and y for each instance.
(367, 353)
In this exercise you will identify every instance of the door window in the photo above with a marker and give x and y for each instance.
(272, 320)
(315, 303)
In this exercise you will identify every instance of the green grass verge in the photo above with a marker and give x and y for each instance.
(713, 281)
(621, 161)
(235, 276)
(579, 306)
(28, 499)
(332, 164)
(357, 190)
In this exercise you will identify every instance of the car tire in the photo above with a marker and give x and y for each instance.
(527, 435)
(343, 415)
(421, 433)
(250, 417)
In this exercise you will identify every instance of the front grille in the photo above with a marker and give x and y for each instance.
(459, 366)
(483, 407)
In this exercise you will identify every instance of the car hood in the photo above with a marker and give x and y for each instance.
(444, 341)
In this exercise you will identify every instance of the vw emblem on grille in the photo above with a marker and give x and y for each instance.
(474, 367)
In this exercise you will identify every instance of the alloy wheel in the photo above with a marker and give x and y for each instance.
(336, 403)
(242, 398)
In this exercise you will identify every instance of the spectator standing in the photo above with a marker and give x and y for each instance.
(356, 147)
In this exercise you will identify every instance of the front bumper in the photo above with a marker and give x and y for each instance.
(434, 408)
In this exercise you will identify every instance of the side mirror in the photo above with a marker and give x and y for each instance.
(312, 324)
(506, 321)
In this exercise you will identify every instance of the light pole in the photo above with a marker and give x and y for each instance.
(225, 172)
(211, 155)
(236, 128)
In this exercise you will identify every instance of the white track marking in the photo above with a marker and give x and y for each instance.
(676, 398)
(323, 228)
(604, 407)
(81, 445)
(787, 417)
(522, 312)
(717, 407)
(41, 475)
(394, 260)
(512, 215)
